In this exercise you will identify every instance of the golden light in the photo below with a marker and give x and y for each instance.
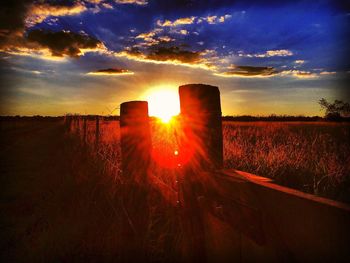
(163, 102)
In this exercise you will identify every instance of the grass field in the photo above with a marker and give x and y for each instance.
(62, 202)
(313, 157)
(66, 201)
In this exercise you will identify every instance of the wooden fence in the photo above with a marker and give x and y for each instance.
(232, 215)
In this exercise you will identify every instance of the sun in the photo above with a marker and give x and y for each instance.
(163, 103)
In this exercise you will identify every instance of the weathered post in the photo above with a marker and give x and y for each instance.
(201, 141)
(201, 115)
(78, 125)
(135, 139)
(68, 121)
(84, 130)
(97, 132)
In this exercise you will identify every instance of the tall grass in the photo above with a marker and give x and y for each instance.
(313, 157)
(147, 223)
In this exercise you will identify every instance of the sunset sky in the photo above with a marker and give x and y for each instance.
(87, 57)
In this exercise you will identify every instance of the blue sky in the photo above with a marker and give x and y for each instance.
(279, 57)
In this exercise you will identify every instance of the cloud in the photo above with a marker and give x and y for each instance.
(153, 38)
(18, 15)
(107, 5)
(94, 1)
(135, 2)
(12, 15)
(328, 72)
(53, 45)
(111, 72)
(269, 53)
(166, 38)
(183, 32)
(222, 19)
(248, 71)
(180, 21)
(299, 74)
(214, 19)
(36, 72)
(39, 11)
(146, 36)
(64, 43)
(193, 19)
(172, 55)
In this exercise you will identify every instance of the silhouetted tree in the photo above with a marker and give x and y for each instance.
(336, 110)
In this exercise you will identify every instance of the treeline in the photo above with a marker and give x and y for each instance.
(285, 118)
(246, 118)
(272, 118)
(54, 118)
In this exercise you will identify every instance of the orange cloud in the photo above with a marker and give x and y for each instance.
(53, 45)
(299, 74)
(111, 72)
(135, 2)
(214, 19)
(269, 53)
(167, 55)
(180, 21)
(328, 72)
(38, 12)
(248, 71)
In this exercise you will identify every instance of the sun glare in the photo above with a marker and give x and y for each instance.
(163, 103)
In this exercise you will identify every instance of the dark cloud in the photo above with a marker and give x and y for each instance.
(12, 16)
(174, 53)
(111, 71)
(16, 15)
(249, 71)
(63, 42)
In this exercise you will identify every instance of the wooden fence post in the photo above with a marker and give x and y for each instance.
(78, 125)
(84, 130)
(135, 139)
(202, 133)
(68, 121)
(97, 132)
(201, 116)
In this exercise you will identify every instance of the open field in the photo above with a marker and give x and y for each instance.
(67, 200)
(313, 157)
(59, 202)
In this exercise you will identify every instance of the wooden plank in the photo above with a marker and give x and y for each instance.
(277, 223)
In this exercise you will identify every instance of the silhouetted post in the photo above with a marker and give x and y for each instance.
(68, 120)
(201, 141)
(78, 125)
(201, 114)
(70, 123)
(84, 130)
(135, 139)
(74, 122)
(97, 132)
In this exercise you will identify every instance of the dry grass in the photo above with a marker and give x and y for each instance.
(66, 200)
(310, 156)
(313, 157)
